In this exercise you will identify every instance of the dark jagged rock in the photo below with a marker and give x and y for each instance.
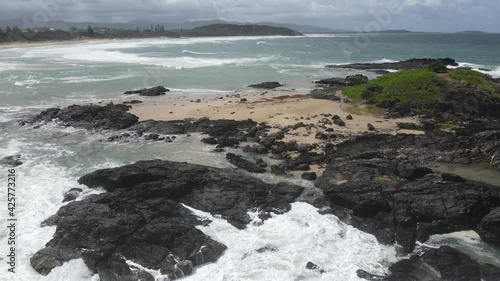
(339, 122)
(305, 159)
(244, 164)
(489, 230)
(370, 127)
(89, 117)
(140, 218)
(278, 170)
(11, 161)
(257, 149)
(452, 177)
(409, 126)
(460, 102)
(266, 85)
(133, 102)
(309, 176)
(227, 142)
(394, 197)
(211, 141)
(72, 194)
(324, 94)
(352, 80)
(214, 128)
(260, 162)
(444, 263)
(402, 65)
(149, 92)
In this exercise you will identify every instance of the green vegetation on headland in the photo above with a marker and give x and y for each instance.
(482, 81)
(15, 34)
(429, 89)
(240, 30)
(417, 85)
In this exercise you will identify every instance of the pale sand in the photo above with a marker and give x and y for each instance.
(279, 108)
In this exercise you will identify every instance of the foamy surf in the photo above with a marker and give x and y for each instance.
(492, 71)
(467, 242)
(280, 248)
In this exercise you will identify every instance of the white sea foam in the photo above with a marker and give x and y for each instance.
(107, 54)
(384, 60)
(293, 239)
(494, 71)
(40, 185)
(197, 53)
(329, 35)
(6, 66)
(89, 79)
(286, 243)
(468, 242)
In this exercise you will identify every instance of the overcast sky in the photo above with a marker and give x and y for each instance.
(416, 15)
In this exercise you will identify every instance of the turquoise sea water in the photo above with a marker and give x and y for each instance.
(33, 78)
(80, 72)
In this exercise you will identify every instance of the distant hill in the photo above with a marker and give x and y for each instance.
(142, 24)
(15, 34)
(471, 32)
(223, 29)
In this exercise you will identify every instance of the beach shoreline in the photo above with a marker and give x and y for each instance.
(278, 108)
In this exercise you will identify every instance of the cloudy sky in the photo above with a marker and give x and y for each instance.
(416, 15)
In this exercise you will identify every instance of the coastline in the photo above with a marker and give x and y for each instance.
(280, 108)
(70, 42)
(363, 175)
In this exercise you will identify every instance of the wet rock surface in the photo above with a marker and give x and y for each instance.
(352, 80)
(142, 212)
(89, 117)
(266, 85)
(444, 263)
(402, 65)
(11, 161)
(244, 164)
(398, 199)
(149, 92)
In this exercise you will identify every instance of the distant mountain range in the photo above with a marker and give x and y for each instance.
(143, 24)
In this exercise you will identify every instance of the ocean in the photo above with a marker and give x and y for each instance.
(37, 77)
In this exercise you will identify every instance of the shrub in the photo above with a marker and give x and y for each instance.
(437, 67)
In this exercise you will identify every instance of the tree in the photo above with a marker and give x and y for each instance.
(1, 30)
(90, 31)
(8, 29)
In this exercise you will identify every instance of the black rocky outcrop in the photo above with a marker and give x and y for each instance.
(266, 85)
(402, 65)
(89, 117)
(381, 185)
(444, 263)
(141, 218)
(149, 92)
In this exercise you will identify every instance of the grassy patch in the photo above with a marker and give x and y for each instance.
(482, 81)
(417, 85)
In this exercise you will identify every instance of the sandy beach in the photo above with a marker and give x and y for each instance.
(279, 108)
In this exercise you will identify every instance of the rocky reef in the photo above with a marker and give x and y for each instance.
(143, 211)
